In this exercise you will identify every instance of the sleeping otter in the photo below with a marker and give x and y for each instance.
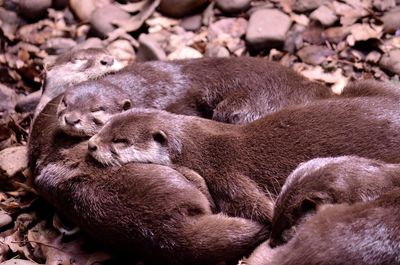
(346, 179)
(232, 90)
(74, 67)
(365, 233)
(149, 210)
(245, 165)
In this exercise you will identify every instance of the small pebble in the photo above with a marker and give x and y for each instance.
(5, 219)
(233, 6)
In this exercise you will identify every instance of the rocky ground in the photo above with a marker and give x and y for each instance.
(330, 41)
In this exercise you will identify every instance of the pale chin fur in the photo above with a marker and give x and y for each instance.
(153, 155)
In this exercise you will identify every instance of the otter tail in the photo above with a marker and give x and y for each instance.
(217, 237)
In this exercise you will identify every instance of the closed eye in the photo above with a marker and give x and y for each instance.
(98, 109)
(120, 141)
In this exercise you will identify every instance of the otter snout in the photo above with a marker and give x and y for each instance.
(93, 144)
(72, 119)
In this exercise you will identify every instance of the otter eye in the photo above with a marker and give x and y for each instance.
(120, 141)
(98, 109)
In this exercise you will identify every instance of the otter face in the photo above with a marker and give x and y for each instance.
(78, 66)
(85, 108)
(130, 138)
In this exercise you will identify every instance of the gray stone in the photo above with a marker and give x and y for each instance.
(191, 23)
(28, 103)
(233, 6)
(267, 29)
(5, 219)
(391, 20)
(306, 5)
(33, 9)
(213, 50)
(391, 61)
(82, 9)
(181, 8)
(102, 19)
(13, 160)
(149, 49)
(234, 27)
(314, 55)
(324, 15)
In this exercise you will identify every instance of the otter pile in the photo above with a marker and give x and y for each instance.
(182, 170)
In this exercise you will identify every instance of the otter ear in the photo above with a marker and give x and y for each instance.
(160, 137)
(126, 104)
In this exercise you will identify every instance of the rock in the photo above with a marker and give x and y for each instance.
(149, 49)
(83, 9)
(234, 27)
(302, 6)
(391, 20)
(324, 15)
(181, 8)
(9, 23)
(33, 9)
(267, 29)
(58, 45)
(28, 103)
(8, 99)
(383, 5)
(213, 50)
(314, 55)
(13, 160)
(391, 61)
(184, 53)
(233, 6)
(5, 219)
(103, 17)
(60, 4)
(192, 23)
(90, 43)
(122, 50)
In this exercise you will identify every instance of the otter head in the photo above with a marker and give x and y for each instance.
(77, 66)
(138, 135)
(305, 190)
(86, 107)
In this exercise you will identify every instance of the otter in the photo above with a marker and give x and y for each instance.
(74, 67)
(152, 211)
(363, 233)
(346, 179)
(245, 166)
(232, 90)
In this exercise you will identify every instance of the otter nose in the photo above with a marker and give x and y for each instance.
(107, 61)
(92, 146)
(71, 119)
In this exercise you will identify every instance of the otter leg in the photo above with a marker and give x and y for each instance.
(238, 109)
(198, 181)
(240, 196)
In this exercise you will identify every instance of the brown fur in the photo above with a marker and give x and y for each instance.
(365, 233)
(346, 179)
(244, 165)
(232, 90)
(147, 210)
(73, 67)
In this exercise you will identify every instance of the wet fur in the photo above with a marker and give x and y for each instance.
(149, 211)
(232, 90)
(246, 166)
(320, 181)
(363, 233)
